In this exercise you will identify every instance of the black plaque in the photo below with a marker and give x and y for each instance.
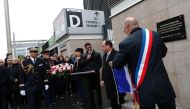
(172, 29)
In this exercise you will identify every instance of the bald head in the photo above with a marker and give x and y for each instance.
(130, 23)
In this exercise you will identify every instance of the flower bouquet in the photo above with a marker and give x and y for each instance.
(61, 70)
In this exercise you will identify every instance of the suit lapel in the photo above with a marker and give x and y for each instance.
(30, 62)
(110, 58)
(104, 58)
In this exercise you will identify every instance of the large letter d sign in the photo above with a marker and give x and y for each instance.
(77, 20)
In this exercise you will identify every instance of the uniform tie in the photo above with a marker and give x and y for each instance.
(34, 60)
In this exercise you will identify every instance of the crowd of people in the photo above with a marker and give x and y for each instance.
(27, 81)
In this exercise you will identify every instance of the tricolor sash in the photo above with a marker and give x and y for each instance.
(144, 57)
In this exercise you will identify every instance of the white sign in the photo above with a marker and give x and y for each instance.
(77, 21)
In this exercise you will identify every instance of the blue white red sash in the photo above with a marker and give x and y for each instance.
(144, 57)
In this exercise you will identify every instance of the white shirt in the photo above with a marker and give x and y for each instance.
(32, 59)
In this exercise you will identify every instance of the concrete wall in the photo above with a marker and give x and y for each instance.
(96, 44)
(177, 61)
(77, 41)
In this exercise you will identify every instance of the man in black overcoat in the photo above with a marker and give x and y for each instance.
(4, 85)
(94, 63)
(115, 98)
(146, 57)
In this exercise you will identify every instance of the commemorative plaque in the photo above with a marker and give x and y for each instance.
(172, 29)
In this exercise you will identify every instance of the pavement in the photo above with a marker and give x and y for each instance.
(65, 103)
(69, 103)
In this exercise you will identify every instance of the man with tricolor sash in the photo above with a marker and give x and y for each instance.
(143, 51)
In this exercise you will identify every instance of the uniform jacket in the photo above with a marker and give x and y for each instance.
(156, 87)
(36, 78)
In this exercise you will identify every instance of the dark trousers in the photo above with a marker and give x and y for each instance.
(81, 89)
(167, 105)
(115, 104)
(74, 84)
(60, 86)
(16, 98)
(34, 100)
(95, 85)
(10, 98)
(47, 96)
(68, 85)
(88, 99)
(3, 101)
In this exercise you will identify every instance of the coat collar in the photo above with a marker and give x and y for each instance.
(110, 54)
(134, 29)
(30, 61)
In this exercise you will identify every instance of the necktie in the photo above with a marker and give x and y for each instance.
(34, 61)
(107, 56)
(77, 65)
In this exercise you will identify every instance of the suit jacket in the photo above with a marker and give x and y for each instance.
(156, 87)
(94, 63)
(35, 79)
(80, 64)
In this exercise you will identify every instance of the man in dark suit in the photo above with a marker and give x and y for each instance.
(8, 64)
(14, 77)
(4, 85)
(81, 80)
(33, 79)
(143, 51)
(94, 63)
(108, 76)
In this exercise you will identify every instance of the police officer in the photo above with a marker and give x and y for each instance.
(33, 79)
